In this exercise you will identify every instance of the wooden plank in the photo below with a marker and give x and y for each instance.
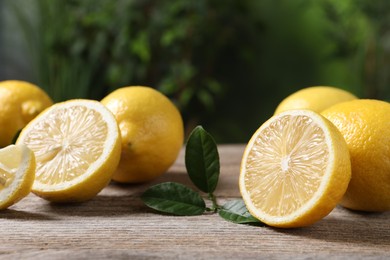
(116, 224)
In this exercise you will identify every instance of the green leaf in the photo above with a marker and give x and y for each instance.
(235, 211)
(174, 198)
(202, 160)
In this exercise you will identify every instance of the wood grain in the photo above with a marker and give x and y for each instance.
(116, 224)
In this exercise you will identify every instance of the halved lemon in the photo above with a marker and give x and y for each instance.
(17, 172)
(77, 148)
(295, 169)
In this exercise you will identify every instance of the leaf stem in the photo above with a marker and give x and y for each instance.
(213, 199)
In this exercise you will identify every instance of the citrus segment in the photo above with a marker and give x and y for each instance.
(294, 170)
(77, 148)
(17, 172)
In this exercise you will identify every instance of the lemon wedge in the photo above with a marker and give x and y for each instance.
(77, 148)
(295, 169)
(17, 172)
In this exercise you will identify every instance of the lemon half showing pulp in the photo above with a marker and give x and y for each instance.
(17, 172)
(295, 169)
(77, 149)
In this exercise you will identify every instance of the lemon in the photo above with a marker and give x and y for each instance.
(17, 172)
(315, 98)
(77, 148)
(20, 102)
(152, 132)
(295, 169)
(365, 125)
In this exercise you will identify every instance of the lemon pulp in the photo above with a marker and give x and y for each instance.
(60, 146)
(77, 147)
(6, 176)
(295, 169)
(17, 171)
(291, 167)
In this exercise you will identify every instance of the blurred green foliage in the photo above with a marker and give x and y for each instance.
(226, 64)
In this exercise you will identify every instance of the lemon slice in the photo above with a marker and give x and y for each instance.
(17, 172)
(295, 169)
(77, 148)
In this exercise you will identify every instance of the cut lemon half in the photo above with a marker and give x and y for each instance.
(295, 169)
(17, 172)
(77, 148)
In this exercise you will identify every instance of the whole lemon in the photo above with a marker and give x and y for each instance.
(20, 102)
(315, 98)
(152, 132)
(365, 125)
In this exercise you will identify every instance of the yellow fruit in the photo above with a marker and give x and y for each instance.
(17, 172)
(77, 148)
(152, 132)
(314, 98)
(19, 103)
(365, 125)
(294, 170)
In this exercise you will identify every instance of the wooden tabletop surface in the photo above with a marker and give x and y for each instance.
(117, 225)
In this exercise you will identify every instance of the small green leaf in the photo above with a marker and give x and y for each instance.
(235, 211)
(174, 198)
(202, 160)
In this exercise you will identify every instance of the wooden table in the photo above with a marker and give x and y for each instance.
(116, 224)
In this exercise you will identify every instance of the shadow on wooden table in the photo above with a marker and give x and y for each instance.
(25, 215)
(343, 225)
(115, 199)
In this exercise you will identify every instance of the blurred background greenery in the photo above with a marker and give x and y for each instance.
(225, 63)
